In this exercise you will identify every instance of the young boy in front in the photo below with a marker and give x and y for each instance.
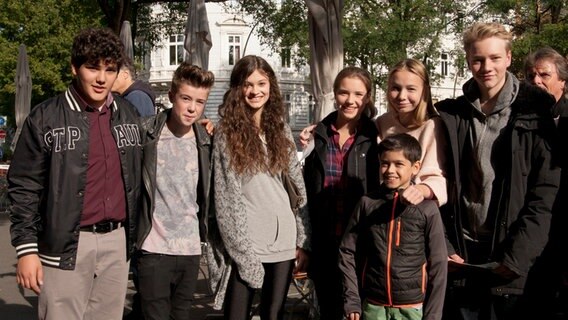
(395, 251)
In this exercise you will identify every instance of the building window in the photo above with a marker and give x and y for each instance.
(176, 49)
(286, 55)
(311, 109)
(234, 49)
(444, 65)
(288, 104)
(460, 67)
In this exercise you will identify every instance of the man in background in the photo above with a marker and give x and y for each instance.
(547, 69)
(138, 92)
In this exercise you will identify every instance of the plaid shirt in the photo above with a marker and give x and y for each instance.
(335, 174)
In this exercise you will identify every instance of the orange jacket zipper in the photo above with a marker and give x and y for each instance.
(389, 249)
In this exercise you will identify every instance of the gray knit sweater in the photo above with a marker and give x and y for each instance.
(228, 236)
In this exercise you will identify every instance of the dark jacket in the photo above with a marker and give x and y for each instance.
(141, 95)
(362, 175)
(402, 251)
(526, 190)
(153, 127)
(560, 108)
(48, 173)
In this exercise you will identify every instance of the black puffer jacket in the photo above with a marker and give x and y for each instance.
(402, 251)
(48, 173)
(526, 191)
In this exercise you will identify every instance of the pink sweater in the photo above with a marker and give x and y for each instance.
(433, 145)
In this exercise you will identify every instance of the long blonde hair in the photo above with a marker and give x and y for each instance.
(425, 109)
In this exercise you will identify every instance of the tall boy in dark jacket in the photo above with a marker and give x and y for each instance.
(394, 251)
(502, 182)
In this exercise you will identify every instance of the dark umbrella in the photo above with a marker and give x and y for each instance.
(197, 36)
(126, 38)
(23, 82)
(326, 45)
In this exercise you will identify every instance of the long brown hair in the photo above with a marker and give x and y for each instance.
(246, 150)
(365, 77)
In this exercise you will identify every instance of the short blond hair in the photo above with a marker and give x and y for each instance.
(483, 30)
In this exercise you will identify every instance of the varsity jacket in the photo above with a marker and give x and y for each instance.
(153, 128)
(526, 192)
(47, 177)
(401, 251)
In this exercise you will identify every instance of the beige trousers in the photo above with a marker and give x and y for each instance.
(96, 289)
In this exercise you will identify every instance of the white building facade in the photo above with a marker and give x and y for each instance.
(233, 36)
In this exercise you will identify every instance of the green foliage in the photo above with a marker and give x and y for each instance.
(376, 34)
(151, 26)
(47, 28)
(535, 24)
(278, 26)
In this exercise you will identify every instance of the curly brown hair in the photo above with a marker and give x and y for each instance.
(237, 123)
(92, 45)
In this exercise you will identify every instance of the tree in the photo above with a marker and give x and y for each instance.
(282, 25)
(148, 26)
(376, 34)
(534, 24)
(47, 28)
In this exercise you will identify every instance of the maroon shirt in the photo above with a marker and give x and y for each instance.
(104, 190)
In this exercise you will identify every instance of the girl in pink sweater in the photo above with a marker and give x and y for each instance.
(410, 110)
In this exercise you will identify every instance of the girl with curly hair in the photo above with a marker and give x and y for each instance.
(262, 240)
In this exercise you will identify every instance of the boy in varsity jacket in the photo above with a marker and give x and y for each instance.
(74, 187)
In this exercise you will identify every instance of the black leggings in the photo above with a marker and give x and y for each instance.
(238, 300)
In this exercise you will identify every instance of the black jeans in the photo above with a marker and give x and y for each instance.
(327, 280)
(167, 284)
(239, 296)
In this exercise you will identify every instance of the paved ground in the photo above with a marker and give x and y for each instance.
(17, 304)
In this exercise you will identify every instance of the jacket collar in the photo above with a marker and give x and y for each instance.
(366, 129)
(76, 103)
(159, 121)
(505, 98)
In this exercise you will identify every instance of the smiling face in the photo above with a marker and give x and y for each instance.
(405, 94)
(94, 81)
(351, 98)
(257, 90)
(188, 105)
(545, 75)
(488, 60)
(396, 170)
